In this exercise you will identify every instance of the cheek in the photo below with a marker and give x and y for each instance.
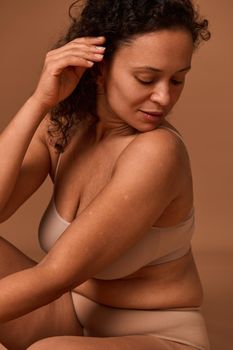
(121, 91)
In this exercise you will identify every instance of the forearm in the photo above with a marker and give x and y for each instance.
(25, 291)
(14, 142)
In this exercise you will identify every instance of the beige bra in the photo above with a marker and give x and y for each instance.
(159, 245)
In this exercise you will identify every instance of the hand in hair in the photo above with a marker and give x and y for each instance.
(64, 67)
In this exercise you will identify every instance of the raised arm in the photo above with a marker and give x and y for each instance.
(14, 143)
(22, 167)
(145, 181)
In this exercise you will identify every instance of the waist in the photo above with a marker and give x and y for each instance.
(169, 285)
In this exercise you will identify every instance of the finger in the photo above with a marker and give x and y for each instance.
(90, 40)
(77, 46)
(86, 47)
(56, 67)
(90, 56)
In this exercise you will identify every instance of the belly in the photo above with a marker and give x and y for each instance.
(169, 285)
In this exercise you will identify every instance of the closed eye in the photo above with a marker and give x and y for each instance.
(144, 82)
(149, 81)
(177, 82)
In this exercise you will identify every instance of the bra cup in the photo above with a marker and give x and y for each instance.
(157, 246)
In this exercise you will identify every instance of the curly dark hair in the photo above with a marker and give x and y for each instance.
(118, 21)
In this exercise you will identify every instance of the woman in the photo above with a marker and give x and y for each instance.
(119, 273)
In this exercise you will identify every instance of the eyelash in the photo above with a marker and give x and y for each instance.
(144, 82)
(176, 82)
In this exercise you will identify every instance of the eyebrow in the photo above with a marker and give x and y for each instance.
(153, 69)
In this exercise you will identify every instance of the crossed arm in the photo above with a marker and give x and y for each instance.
(145, 181)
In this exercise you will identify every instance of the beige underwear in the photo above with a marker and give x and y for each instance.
(182, 325)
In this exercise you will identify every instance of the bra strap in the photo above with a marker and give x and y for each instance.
(57, 166)
(175, 132)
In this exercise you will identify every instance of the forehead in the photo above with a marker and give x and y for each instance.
(162, 49)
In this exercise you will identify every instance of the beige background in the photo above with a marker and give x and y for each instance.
(28, 28)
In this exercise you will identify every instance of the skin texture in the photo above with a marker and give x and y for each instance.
(64, 67)
(124, 95)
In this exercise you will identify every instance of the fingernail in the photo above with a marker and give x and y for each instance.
(101, 48)
(90, 63)
(98, 55)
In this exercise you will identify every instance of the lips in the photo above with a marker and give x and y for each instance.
(151, 116)
(153, 113)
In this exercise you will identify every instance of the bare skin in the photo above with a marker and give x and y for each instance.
(180, 274)
(75, 189)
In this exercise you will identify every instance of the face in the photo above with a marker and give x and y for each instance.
(145, 79)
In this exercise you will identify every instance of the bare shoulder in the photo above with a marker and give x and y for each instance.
(159, 146)
(159, 159)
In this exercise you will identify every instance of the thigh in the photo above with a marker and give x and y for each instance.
(133, 342)
(55, 319)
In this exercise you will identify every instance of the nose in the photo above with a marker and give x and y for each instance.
(161, 94)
